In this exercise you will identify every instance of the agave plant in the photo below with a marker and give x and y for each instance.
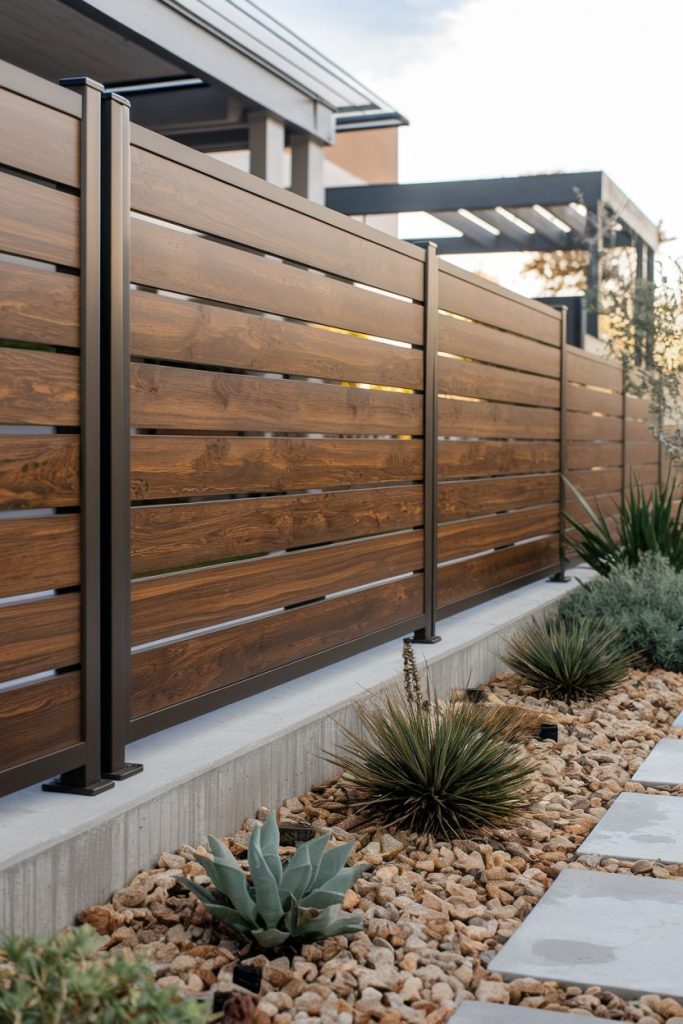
(443, 771)
(300, 900)
(642, 523)
(569, 658)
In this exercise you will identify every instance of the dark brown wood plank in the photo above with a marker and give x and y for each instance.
(171, 397)
(479, 380)
(497, 494)
(36, 636)
(39, 388)
(462, 580)
(496, 458)
(188, 264)
(40, 553)
(492, 345)
(38, 221)
(584, 399)
(487, 303)
(173, 192)
(180, 670)
(595, 481)
(39, 718)
(585, 368)
(167, 605)
(39, 471)
(582, 426)
(165, 537)
(606, 503)
(38, 139)
(176, 330)
(472, 535)
(39, 305)
(494, 419)
(169, 467)
(585, 454)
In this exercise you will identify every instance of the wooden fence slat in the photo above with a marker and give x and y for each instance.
(39, 387)
(38, 305)
(39, 718)
(497, 494)
(495, 458)
(39, 635)
(584, 368)
(39, 471)
(40, 553)
(584, 399)
(495, 345)
(38, 222)
(486, 303)
(494, 419)
(479, 380)
(583, 427)
(39, 140)
(462, 580)
(585, 454)
(472, 535)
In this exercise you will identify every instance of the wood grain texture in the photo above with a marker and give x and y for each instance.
(169, 467)
(459, 459)
(180, 670)
(170, 397)
(498, 494)
(582, 426)
(39, 718)
(36, 636)
(595, 481)
(40, 553)
(455, 540)
(39, 306)
(493, 345)
(176, 330)
(480, 380)
(172, 192)
(494, 419)
(584, 368)
(586, 454)
(167, 605)
(477, 300)
(39, 471)
(39, 140)
(165, 537)
(179, 262)
(39, 388)
(584, 399)
(462, 580)
(38, 221)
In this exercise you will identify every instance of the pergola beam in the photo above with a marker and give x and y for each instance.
(449, 246)
(474, 232)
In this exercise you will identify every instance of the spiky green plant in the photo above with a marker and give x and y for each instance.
(65, 980)
(641, 523)
(569, 659)
(444, 771)
(300, 900)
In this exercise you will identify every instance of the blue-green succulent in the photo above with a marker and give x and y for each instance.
(298, 900)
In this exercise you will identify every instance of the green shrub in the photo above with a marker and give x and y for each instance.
(300, 901)
(437, 770)
(64, 981)
(644, 523)
(568, 658)
(643, 601)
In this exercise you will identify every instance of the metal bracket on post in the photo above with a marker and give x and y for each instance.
(561, 575)
(88, 780)
(427, 634)
(116, 571)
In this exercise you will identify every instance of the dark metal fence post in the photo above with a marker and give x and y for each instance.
(625, 469)
(427, 634)
(87, 780)
(561, 575)
(116, 571)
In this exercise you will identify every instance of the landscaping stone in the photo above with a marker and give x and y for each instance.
(490, 1013)
(435, 913)
(664, 766)
(641, 827)
(620, 932)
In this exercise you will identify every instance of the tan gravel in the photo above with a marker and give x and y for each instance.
(435, 913)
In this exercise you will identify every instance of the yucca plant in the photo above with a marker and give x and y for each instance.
(569, 658)
(641, 523)
(442, 771)
(300, 900)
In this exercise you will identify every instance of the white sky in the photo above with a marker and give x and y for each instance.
(506, 87)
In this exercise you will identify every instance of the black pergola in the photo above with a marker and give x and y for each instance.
(535, 213)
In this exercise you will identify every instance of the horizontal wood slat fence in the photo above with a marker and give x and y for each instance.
(307, 437)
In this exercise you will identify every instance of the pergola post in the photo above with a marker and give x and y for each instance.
(307, 168)
(594, 271)
(267, 147)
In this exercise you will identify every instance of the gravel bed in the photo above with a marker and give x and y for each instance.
(435, 914)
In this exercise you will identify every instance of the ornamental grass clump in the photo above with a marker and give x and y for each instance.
(66, 980)
(299, 901)
(642, 523)
(439, 770)
(569, 658)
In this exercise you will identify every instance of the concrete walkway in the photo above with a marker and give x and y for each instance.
(663, 766)
(639, 826)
